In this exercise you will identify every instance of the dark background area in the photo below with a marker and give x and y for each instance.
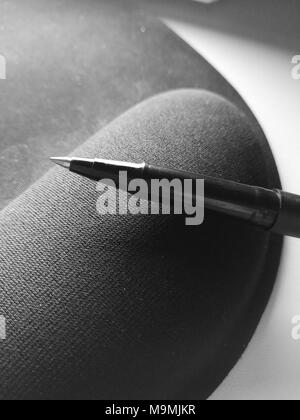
(273, 22)
(73, 66)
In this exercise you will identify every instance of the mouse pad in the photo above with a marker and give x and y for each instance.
(122, 307)
(75, 65)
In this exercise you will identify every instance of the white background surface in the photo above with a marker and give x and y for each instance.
(252, 43)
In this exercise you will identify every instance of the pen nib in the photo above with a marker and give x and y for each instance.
(64, 162)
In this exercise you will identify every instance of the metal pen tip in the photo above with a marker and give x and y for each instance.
(62, 161)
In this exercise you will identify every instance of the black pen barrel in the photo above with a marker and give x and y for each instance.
(273, 210)
(256, 205)
(288, 221)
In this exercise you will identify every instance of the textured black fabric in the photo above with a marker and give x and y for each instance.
(135, 306)
(75, 65)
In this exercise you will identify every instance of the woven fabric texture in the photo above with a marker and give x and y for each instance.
(75, 65)
(135, 306)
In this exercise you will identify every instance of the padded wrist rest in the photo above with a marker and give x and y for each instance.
(75, 65)
(136, 307)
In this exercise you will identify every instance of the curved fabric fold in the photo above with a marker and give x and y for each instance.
(136, 307)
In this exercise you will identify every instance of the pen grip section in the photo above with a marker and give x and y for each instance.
(288, 221)
(255, 205)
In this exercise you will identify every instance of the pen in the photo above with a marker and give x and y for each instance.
(273, 210)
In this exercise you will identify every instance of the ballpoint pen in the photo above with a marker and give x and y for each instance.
(273, 210)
